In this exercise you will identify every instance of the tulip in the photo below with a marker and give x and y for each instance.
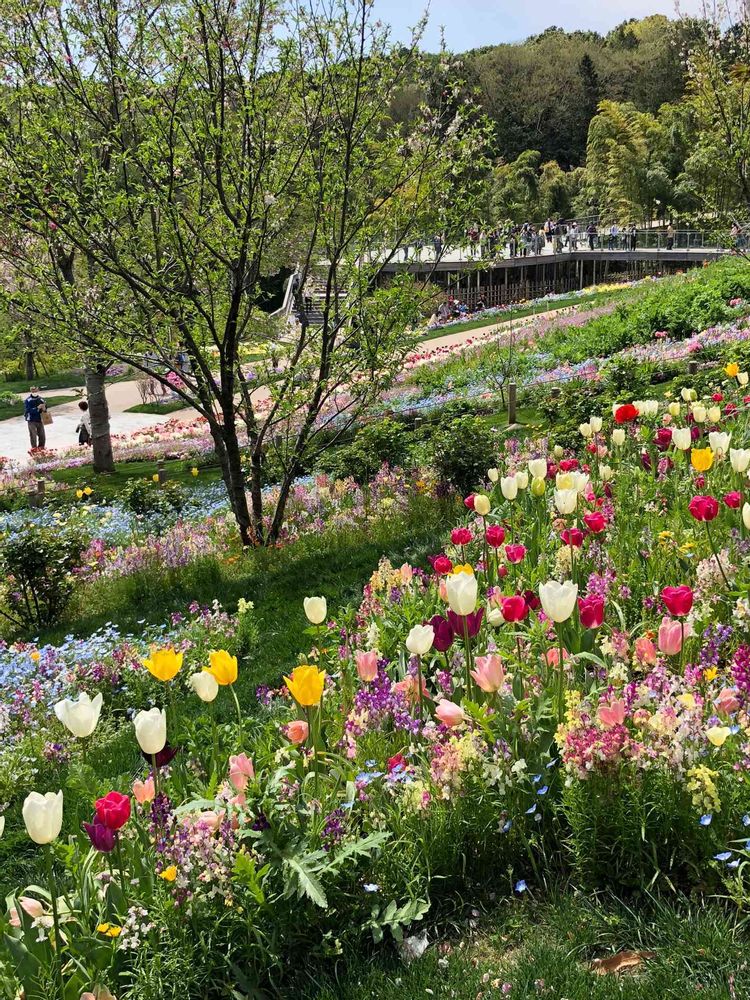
(514, 608)
(444, 634)
(572, 537)
(144, 791)
(719, 441)
(558, 599)
(557, 451)
(714, 415)
(595, 521)
(441, 564)
(591, 611)
(241, 770)
(164, 664)
(538, 468)
(585, 430)
(495, 535)
(493, 475)
(732, 369)
(43, 816)
(469, 501)
(297, 731)
(566, 501)
(613, 714)
(316, 609)
(625, 414)
(538, 487)
(746, 515)
(515, 553)
(495, 616)
(80, 717)
(699, 413)
(733, 499)
(618, 437)
(645, 651)
(419, 640)
(101, 837)
(727, 701)
(717, 735)
(449, 713)
(522, 479)
(151, 730)
(670, 637)
(743, 378)
(30, 906)
(461, 536)
(678, 600)
(674, 409)
(739, 459)
(482, 504)
(688, 395)
(461, 590)
(466, 624)
(681, 438)
(367, 664)
(204, 684)
(596, 424)
(2, 825)
(223, 667)
(488, 673)
(605, 473)
(703, 508)
(509, 487)
(113, 810)
(306, 685)
(701, 459)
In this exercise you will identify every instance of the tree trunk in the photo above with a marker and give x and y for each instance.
(101, 441)
(29, 361)
(284, 491)
(228, 452)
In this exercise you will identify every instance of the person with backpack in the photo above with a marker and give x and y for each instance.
(84, 424)
(33, 409)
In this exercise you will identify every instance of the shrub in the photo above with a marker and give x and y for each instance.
(145, 497)
(381, 442)
(462, 451)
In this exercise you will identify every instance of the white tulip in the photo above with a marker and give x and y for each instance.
(481, 504)
(596, 424)
(522, 479)
(493, 475)
(538, 468)
(495, 616)
(204, 684)
(699, 413)
(315, 609)
(647, 407)
(682, 439)
(564, 481)
(585, 430)
(742, 378)
(43, 816)
(618, 437)
(419, 640)
(688, 395)
(151, 730)
(509, 487)
(746, 515)
(461, 589)
(674, 408)
(2, 825)
(740, 459)
(719, 441)
(580, 481)
(605, 473)
(80, 717)
(558, 599)
(714, 414)
(558, 451)
(566, 500)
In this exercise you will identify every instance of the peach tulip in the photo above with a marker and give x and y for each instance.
(367, 664)
(489, 674)
(670, 637)
(449, 713)
(241, 771)
(727, 701)
(645, 651)
(407, 574)
(144, 791)
(30, 906)
(297, 731)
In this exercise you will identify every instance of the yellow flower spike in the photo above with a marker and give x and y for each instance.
(223, 667)
(306, 685)
(164, 664)
(732, 369)
(701, 459)
(169, 874)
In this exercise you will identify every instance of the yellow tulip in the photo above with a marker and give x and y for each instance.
(87, 490)
(169, 874)
(732, 368)
(717, 735)
(79, 494)
(465, 568)
(155, 477)
(223, 667)
(194, 471)
(111, 930)
(701, 459)
(306, 685)
(711, 673)
(164, 664)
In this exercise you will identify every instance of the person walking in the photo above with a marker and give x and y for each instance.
(84, 424)
(592, 235)
(633, 236)
(670, 237)
(573, 237)
(614, 232)
(33, 409)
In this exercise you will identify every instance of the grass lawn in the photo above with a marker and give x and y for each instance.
(527, 948)
(108, 484)
(8, 412)
(168, 406)
(57, 380)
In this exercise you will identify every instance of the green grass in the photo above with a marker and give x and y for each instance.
(544, 949)
(168, 406)
(57, 380)
(107, 485)
(16, 410)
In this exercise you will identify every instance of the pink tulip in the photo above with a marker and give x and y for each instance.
(297, 731)
(552, 656)
(449, 713)
(144, 791)
(645, 651)
(670, 637)
(30, 906)
(443, 591)
(367, 665)
(727, 701)
(612, 714)
(241, 771)
(489, 674)
(407, 574)
(209, 820)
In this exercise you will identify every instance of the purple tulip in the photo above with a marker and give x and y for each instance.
(443, 633)
(164, 756)
(472, 622)
(101, 837)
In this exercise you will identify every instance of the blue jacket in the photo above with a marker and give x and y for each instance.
(31, 409)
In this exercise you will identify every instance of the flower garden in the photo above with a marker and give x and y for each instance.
(542, 686)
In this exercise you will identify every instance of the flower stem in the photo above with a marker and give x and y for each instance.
(716, 555)
(240, 736)
(121, 866)
(55, 919)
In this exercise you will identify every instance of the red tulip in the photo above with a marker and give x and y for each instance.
(663, 438)
(625, 414)
(469, 501)
(572, 536)
(113, 810)
(703, 508)
(733, 499)
(514, 609)
(568, 464)
(717, 397)
(532, 600)
(461, 536)
(495, 535)
(678, 600)
(515, 553)
(591, 611)
(441, 564)
(461, 624)
(595, 521)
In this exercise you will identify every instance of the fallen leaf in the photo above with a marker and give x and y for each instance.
(622, 962)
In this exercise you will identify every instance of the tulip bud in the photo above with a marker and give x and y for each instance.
(585, 430)
(746, 515)
(315, 609)
(419, 639)
(493, 475)
(739, 458)
(681, 438)
(596, 424)
(674, 408)
(151, 730)
(80, 717)
(461, 591)
(509, 487)
(558, 599)
(605, 473)
(538, 468)
(522, 480)
(618, 437)
(43, 816)
(742, 378)
(566, 500)
(481, 504)
(688, 395)
(699, 413)
(714, 414)
(719, 441)
(558, 451)
(538, 486)
(495, 616)
(205, 685)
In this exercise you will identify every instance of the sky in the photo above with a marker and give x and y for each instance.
(471, 23)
